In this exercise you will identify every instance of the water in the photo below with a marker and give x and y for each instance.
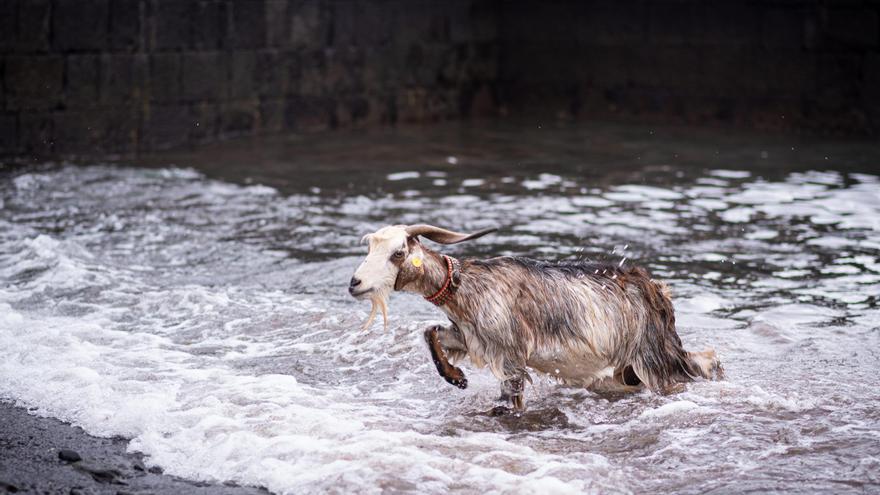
(203, 312)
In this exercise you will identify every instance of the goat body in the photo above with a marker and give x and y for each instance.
(597, 325)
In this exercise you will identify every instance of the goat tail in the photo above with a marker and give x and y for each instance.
(660, 362)
(658, 359)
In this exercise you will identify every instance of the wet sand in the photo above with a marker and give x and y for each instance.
(30, 462)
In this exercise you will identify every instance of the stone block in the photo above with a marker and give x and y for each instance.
(729, 24)
(35, 133)
(205, 123)
(81, 76)
(605, 67)
(871, 87)
(96, 131)
(837, 79)
(609, 23)
(344, 17)
(271, 115)
(413, 22)
(484, 22)
(783, 28)
(8, 134)
(787, 72)
(8, 25)
(247, 24)
(78, 132)
(120, 130)
(277, 23)
(165, 127)
(292, 62)
(676, 67)
(33, 82)
(308, 113)
(239, 117)
(310, 26)
(722, 70)
(206, 25)
(313, 68)
(356, 109)
(125, 25)
(123, 78)
(672, 22)
(484, 65)
(872, 74)
(33, 26)
(272, 73)
(853, 27)
(165, 76)
(171, 24)
(80, 24)
(204, 76)
(459, 19)
(812, 33)
(243, 75)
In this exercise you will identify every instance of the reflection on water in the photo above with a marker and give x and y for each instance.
(206, 317)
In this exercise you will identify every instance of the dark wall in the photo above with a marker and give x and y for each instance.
(98, 76)
(781, 64)
(107, 76)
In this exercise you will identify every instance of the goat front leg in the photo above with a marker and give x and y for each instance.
(449, 372)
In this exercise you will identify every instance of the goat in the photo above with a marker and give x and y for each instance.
(597, 325)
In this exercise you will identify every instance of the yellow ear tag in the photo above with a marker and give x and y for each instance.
(417, 262)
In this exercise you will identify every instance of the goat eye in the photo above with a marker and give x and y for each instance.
(398, 254)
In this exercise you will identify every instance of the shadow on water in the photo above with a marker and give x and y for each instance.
(532, 419)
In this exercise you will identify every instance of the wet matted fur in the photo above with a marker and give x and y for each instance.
(597, 325)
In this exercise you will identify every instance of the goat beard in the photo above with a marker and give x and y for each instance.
(379, 300)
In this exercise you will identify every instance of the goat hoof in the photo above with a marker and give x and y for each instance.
(460, 382)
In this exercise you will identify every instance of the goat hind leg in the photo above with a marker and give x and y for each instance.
(515, 388)
(450, 373)
(512, 390)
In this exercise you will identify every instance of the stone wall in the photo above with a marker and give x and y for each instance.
(120, 76)
(780, 64)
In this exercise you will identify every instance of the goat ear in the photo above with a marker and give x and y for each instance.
(444, 236)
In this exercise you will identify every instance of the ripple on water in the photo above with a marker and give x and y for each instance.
(208, 322)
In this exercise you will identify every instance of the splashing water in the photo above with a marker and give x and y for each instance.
(208, 322)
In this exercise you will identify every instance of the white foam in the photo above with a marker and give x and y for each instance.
(402, 176)
(542, 182)
(472, 182)
(737, 215)
(672, 408)
(731, 174)
(703, 303)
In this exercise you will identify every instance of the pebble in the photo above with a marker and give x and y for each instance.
(69, 455)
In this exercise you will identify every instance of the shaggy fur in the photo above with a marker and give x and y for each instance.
(596, 325)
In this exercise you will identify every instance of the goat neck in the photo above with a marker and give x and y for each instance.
(433, 277)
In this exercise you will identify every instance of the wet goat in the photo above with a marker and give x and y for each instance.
(596, 325)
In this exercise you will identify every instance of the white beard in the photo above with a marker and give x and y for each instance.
(379, 299)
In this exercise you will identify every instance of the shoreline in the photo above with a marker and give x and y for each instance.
(30, 462)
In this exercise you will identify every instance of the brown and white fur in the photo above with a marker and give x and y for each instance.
(597, 325)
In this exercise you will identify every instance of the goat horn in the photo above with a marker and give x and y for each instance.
(444, 236)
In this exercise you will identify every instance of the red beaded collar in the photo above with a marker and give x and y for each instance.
(450, 285)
